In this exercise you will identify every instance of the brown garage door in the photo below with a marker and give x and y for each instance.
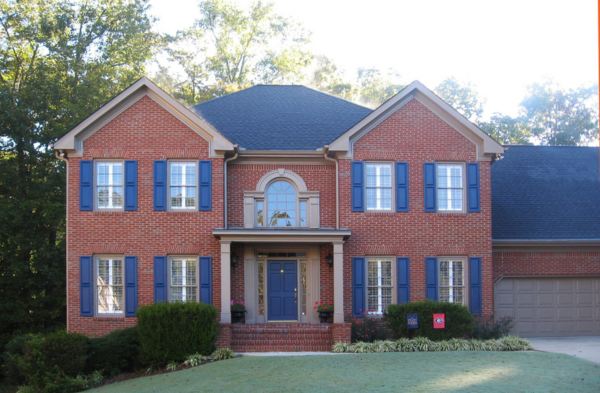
(550, 306)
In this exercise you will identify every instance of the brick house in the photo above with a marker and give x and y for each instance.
(282, 196)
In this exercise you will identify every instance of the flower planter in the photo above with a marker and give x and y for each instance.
(325, 315)
(237, 315)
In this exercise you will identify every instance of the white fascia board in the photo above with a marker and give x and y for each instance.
(73, 140)
(486, 145)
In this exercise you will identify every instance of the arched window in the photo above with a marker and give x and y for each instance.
(281, 205)
(281, 200)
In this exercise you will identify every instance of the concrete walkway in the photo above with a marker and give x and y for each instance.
(587, 348)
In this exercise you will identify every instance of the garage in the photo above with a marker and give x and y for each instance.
(551, 307)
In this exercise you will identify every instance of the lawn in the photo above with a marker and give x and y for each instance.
(385, 372)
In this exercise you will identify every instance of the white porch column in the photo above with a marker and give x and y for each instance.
(338, 281)
(225, 281)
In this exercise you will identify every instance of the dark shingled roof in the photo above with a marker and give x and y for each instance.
(280, 117)
(546, 192)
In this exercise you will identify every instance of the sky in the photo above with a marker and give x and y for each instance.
(501, 47)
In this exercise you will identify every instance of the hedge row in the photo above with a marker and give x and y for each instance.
(423, 344)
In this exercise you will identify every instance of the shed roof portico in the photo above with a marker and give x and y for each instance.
(289, 237)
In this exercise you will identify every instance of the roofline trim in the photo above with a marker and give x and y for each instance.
(73, 140)
(487, 146)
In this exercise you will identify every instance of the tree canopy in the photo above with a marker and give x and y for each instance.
(60, 60)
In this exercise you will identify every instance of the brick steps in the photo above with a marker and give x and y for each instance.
(281, 337)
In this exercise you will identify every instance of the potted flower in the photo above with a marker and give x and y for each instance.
(325, 310)
(238, 311)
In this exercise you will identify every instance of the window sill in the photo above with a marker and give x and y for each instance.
(458, 214)
(379, 213)
(182, 212)
(108, 317)
(108, 212)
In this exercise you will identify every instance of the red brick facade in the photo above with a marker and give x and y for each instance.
(545, 264)
(415, 135)
(144, 132)
(147, 132)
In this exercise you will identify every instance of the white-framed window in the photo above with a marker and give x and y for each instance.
(379, 284)
(109, 185)
(109, 285)
(183, 281)
(450, 187)
(379, 194)
(451, 282)
(183, 185)
(281, 207)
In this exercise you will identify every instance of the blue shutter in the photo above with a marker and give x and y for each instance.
(160, 185)
(431, 279)
(131, 298)
(205, 186)
(359, 291)
(474, 199)
(358, 189)
(429, 183)
(160, 279)
(403, 270)
(131, 184)
(402, 186)
(86, 185)
(206, 280)
(475, 286)
(86, 278)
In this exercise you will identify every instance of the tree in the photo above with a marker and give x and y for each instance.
(561, 117)
(230, 48)
(462, 97)
(60, 60)
(375, 88)
(329, 78)
(507, 130)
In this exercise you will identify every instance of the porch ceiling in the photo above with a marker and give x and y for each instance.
(282, 235)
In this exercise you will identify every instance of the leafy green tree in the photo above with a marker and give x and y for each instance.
(375, 87)
(230, 48)
(559, 116)
(507, 130)
(462, 97)
(327, 77)
(60, 60)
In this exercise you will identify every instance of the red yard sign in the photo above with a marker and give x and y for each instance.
(439, 321)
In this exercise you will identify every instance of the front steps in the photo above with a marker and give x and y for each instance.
(281, 337)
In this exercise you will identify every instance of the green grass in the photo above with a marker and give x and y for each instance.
(385, 372)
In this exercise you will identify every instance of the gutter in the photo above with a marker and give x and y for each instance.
(540, 245)
(236, 150)
(337, 186)
(61, 155)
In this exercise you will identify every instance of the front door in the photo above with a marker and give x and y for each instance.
(282, 291)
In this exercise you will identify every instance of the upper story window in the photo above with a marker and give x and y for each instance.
(283, 207)
(109, 185)
(450, 186)
(379, 186)
(281, 200)
(182, 185)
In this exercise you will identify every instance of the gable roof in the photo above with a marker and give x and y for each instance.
(487, 147)
(546, 193)
(73, 140)
(280, 117)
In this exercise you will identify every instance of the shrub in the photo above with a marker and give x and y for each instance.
(368, 328)
(172, 331)
(423, 344)
(459, 321)
(223, 354)
(114, 353)
(14, 351)
(195, 360)
(487, 328)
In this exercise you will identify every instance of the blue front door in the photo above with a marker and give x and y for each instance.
(283, 290)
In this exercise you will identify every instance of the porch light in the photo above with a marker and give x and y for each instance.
(234, 260)
(329, 259)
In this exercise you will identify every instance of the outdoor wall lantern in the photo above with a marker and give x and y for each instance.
(234, 260)
(329, 259)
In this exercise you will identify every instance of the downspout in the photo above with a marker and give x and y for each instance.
(60, 154)
(235, 149)
(337, 187)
